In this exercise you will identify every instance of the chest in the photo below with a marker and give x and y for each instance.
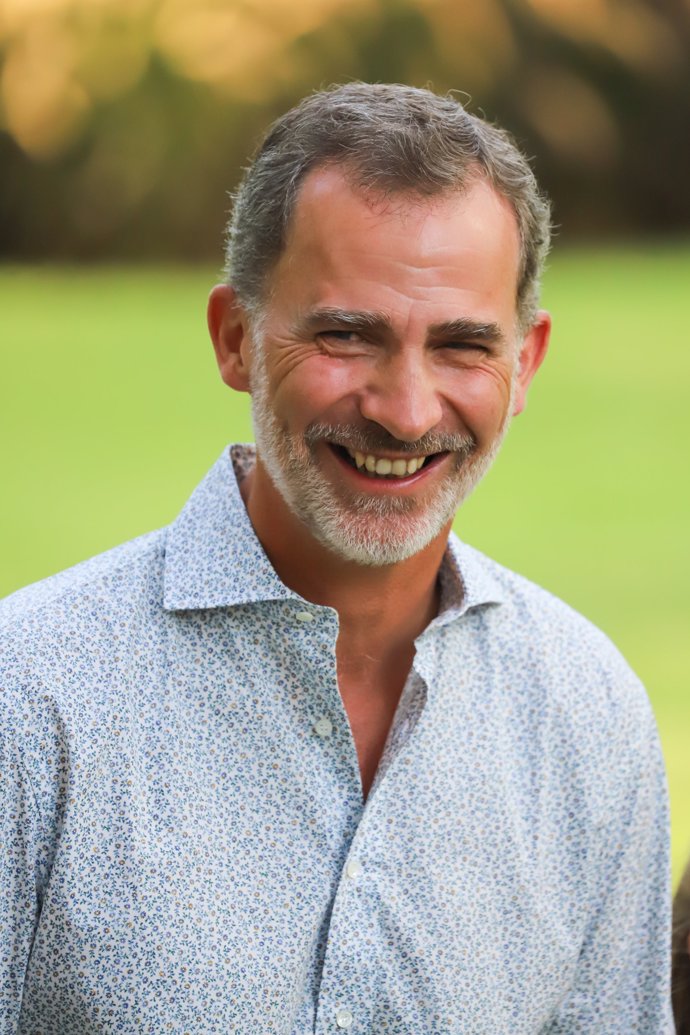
(216, 854)
(370, 709)
(183, 900)
(370, 689)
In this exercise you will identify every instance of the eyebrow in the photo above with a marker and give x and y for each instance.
(464, 328)
(347, 319)
(379, 323)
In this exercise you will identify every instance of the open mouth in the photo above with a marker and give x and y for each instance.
(383, 466)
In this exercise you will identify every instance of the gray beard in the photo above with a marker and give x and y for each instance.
(363, 528)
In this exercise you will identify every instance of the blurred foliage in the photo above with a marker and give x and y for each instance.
(123, 123)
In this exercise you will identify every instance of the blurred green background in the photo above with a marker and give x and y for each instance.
(123, 125)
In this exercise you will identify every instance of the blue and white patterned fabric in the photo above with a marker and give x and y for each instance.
(185, 847)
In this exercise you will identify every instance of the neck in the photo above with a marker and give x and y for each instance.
(390, 603)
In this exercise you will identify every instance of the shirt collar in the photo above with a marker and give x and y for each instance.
(213, 557)
(468, 580)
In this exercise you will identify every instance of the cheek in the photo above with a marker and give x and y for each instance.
(316, 388)
(482, 399)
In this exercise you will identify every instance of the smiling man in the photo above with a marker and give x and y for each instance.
(304, 762)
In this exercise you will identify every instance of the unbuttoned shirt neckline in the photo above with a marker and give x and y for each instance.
(214, 558)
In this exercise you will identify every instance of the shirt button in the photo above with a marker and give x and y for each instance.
(343, 1018)
(304, 616)
(323, 726)
(354, 869)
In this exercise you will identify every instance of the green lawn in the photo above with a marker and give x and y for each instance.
(111, 411)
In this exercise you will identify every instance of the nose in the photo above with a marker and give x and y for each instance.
(402, 396)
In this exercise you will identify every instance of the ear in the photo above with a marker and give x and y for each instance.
(532, 352)
(229, 329)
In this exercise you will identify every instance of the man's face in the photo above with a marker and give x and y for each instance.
(384, 370)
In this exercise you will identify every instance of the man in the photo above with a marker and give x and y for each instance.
(302, 762)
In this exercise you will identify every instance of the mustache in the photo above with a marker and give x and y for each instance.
(372, 438)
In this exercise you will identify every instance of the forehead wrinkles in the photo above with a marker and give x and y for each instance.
(343, 249)
(325, 190)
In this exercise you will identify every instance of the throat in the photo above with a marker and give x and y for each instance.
(370, 701)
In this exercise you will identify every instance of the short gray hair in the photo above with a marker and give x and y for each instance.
(390, 139)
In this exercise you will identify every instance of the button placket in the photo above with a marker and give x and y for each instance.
(323, 727)
(354, 869)
(347, 980)
(343, 1017)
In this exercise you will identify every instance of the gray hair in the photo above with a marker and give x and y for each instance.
(390, 139)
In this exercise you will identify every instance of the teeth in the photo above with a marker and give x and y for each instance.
(383, 466)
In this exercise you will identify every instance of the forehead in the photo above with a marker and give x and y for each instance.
(344, 247)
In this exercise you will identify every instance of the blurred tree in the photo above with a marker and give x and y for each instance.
(123, 122)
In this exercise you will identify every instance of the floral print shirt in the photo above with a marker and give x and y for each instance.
(185, 846)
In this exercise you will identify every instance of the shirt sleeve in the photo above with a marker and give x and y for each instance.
(623, 977)
(21, 850)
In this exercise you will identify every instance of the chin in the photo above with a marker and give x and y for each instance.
(376, 532)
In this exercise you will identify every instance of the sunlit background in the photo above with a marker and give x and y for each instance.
(123, 126)
(126, 121)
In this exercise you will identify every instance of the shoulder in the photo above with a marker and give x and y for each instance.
(542, 624)
(569, 709)
(99, 576)
(68, 647)
(557, 661)
(65, 620)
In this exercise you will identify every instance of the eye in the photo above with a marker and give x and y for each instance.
(342, 340)
(340, 335)
(465, 346)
